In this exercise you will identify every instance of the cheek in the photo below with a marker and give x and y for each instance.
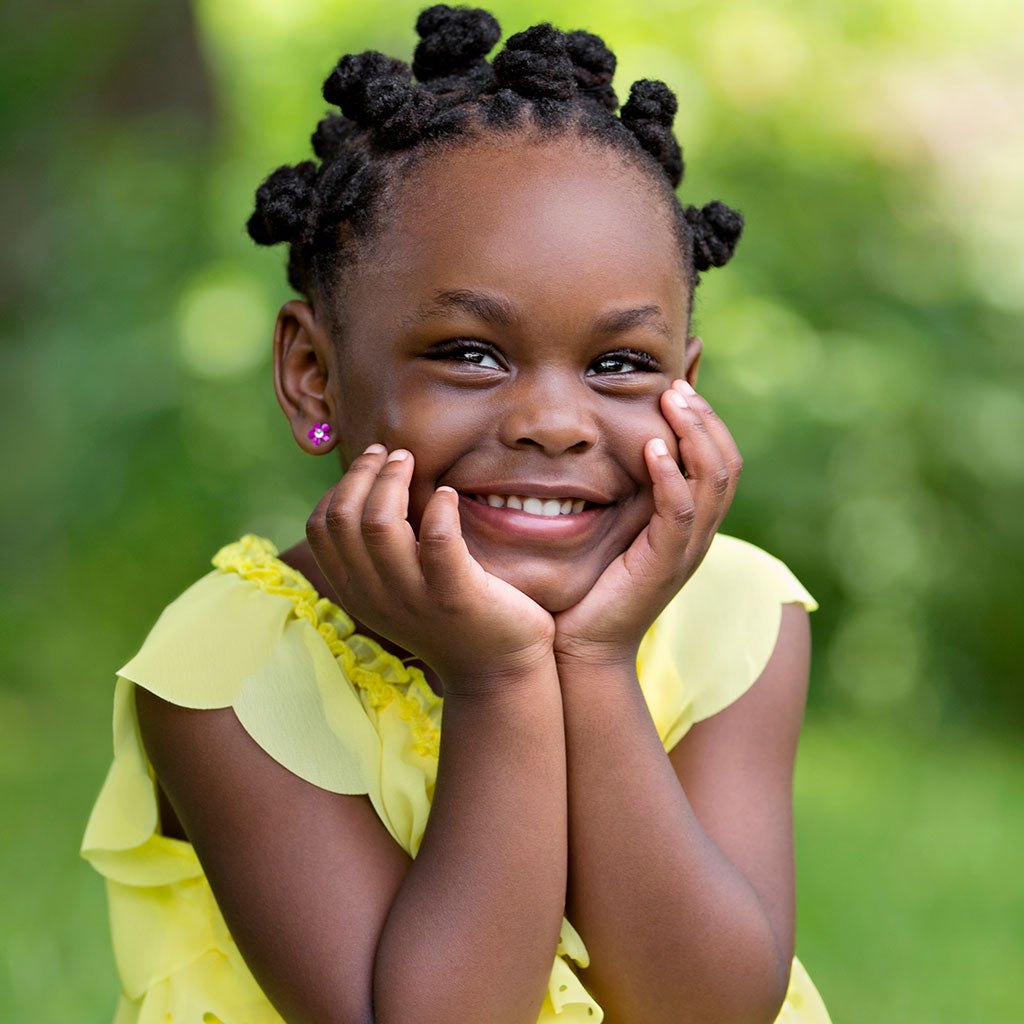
(631, 432)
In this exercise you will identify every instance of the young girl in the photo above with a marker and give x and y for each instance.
(511, 736)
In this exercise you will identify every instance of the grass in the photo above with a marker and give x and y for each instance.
(911, 898)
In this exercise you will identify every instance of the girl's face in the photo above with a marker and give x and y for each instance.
(513, 327)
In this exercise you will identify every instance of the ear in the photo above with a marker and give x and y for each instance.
(694, 350)
(302, 349)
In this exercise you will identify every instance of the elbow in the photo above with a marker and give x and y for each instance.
(756, 992)
(747, 985)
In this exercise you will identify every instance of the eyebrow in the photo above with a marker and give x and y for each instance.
(622, 320)
(495, 310)
(486, 307)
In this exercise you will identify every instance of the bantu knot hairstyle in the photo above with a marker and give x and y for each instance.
(392, 114)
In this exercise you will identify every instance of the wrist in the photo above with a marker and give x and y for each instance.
(502, 680)
(573, 655)
(593, 670)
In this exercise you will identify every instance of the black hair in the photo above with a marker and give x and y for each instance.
(546, 80)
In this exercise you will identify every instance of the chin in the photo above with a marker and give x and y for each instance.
(552, 594)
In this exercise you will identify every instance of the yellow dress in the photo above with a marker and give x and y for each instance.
(340, 712)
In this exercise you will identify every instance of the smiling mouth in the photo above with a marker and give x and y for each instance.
(550, 507)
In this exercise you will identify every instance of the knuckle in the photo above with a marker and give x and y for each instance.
(719, 481)
(376, 526)
(683, 515)
(436, 538)
(362, 465)
(316, 527)
(336, 517)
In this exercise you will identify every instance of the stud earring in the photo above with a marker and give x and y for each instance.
(320, 434)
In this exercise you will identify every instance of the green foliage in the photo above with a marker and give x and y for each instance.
(864, 346)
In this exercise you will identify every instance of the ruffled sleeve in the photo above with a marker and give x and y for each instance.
(711, 643)
(329, 705)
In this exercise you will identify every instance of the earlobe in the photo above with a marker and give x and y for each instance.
(302, 374)
(694, 349)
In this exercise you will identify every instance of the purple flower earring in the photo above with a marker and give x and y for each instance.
(320, 434)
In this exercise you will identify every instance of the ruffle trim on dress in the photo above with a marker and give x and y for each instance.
(255, 559)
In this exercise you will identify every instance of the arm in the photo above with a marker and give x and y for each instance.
(334, 920)
(704, 929)
(681, 869)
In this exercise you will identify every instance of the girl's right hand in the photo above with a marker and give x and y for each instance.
(429, 595)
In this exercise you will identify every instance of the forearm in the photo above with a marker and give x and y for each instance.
(473, 930)
(674, 930)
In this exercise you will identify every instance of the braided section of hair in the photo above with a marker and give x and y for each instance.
(376, 92)
(594, 67)
(454, 43)
(536, 64)
(648, 114)
(559, 83)
(283, 204)
(716, 229)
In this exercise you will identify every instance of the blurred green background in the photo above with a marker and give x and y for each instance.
(865, 347)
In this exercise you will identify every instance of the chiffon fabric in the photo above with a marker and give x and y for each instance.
(337, 710)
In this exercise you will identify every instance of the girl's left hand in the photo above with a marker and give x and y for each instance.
(605, 628)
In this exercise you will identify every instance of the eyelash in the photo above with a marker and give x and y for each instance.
(456, 347)
(644, 362)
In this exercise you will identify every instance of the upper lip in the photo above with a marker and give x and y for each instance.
(534, 489)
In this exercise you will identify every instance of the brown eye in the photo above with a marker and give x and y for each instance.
(466, 350)
(624, 361)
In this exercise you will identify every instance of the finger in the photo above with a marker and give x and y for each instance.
(706, 470)
(672, 524)
(443, 553)
(333, 528)
(384, 527)
(719, 431)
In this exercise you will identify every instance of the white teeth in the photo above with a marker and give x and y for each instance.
(533, 506)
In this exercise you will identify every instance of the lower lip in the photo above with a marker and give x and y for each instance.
(513, 522)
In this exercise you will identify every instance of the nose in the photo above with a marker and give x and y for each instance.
(549, 413)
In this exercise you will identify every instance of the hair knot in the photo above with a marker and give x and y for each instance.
(648, 114)
(375, 92)
(332, 137)
(716, 230)
(453, 41)
(536, 64)
(283, 204)
(346, 85)
(594, 67)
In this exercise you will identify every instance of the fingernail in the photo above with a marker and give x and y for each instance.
(677, 399)
(397, 455)
(447, 489)
(375, 449)
(659, 447)
(687, 387)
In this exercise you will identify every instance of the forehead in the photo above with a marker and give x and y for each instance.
(563, 221)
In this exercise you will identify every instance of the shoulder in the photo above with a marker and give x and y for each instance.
(254, 636)
(715, 638)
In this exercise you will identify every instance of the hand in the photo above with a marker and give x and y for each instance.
(607, 625)
(430, 596)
